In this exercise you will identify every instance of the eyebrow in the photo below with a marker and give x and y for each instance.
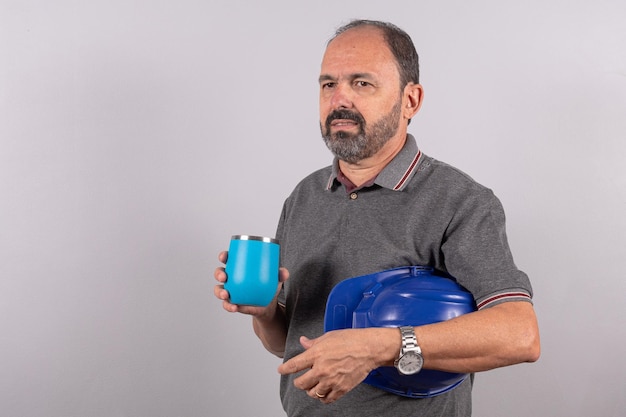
(326, 77)
(365, 75)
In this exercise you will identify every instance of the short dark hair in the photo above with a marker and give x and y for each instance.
(399, 43)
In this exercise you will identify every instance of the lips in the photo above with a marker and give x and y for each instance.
(344, 119)
(343, 123)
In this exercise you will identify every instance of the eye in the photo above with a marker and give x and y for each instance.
(363, 86)
(328, 85)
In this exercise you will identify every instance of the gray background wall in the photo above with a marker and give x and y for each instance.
(137, 136)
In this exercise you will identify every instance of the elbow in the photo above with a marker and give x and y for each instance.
(273, 343)
(277, 350)
(533, 347)
(521, 343)
(533, 340)
(523, 348)
(278, 354)
(529, 346)
(524, 343)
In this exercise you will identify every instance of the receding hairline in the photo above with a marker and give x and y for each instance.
(397, 41)
(361, 27)
(379, 25)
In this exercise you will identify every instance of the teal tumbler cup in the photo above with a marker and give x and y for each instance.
(252, 270)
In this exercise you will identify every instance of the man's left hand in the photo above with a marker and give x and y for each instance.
(336, 362)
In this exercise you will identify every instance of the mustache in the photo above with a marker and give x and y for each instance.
(344, 114)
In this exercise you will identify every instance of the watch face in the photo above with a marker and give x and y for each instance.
(410, 363)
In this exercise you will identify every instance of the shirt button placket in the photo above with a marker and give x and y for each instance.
(354, 196)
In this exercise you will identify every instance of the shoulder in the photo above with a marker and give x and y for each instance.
(444, 179)
(443, 171)
(317, 180)
(312, 186)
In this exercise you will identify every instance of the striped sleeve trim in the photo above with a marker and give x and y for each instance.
(502, 297)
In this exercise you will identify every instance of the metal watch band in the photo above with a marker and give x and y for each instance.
(409, 340)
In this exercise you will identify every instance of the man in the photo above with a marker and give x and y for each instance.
(384, 204)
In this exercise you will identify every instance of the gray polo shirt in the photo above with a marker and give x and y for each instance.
(418, 211)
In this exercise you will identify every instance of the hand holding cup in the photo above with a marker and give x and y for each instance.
(251, 273)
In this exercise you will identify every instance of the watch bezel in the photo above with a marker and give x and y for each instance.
(402, 366)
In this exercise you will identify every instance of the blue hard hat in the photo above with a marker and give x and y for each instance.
(407, 296)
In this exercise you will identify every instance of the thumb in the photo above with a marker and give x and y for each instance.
(283, 274)
(306, 342)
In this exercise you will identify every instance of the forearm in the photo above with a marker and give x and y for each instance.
(502, 335)
(499, 336)
(339, 360)
(272, 330)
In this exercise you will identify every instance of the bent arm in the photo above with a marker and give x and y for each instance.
(502, 335)
(269, 323)
(339, 360)
(271, 329)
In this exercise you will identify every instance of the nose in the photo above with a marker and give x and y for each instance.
(340, 97)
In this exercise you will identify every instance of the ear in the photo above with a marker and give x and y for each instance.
(413, 96)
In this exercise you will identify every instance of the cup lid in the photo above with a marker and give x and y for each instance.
(249, 237)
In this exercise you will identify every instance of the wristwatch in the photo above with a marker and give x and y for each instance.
(411, 360)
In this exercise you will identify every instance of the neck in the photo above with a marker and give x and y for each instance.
(366, 169)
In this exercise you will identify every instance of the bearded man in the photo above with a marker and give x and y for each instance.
(383, 204)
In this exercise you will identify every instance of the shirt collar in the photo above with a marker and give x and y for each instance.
(397, 173)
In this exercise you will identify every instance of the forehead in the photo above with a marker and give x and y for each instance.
(359, 50)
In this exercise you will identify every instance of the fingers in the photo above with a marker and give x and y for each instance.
(218, 290)
(223, 295)
(223, 256)
(283, 274)
(322, 394)
(220, 272)
(300, 362)
(292, 366)
(220, 277)
(313, 383)
(310, 381)
(332, 367)
(306, 342)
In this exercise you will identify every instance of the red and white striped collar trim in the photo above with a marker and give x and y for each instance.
(409, 171)
(396, 175)
(331, 179)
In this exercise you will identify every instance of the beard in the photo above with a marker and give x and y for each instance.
(354, 147)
